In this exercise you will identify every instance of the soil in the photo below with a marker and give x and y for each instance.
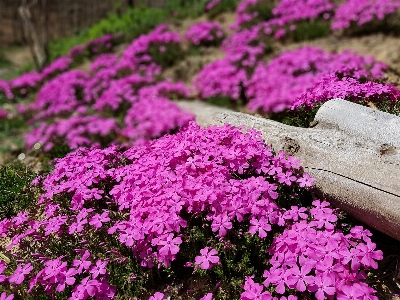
(18, 57)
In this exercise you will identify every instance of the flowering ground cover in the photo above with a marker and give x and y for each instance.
(184, 201)
(205, 34)
(143, 203)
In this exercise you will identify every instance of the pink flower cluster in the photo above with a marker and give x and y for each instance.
(3, 114)
(31, 81)
(220, 78)
(142, 106)
(246, 47)
(22, 85)
(211, 4)
(150, 118)
(299, 76)
(362, 11)
(227, 77)
(205, 33)
(25, 83)
(137, 54)
(102, 44)
(141, 200)
(245, 13)
(59, 96)
(58, 66)
(314, 255)
(276, 85)
(152, 114)
(5, 89)
(288, 12)
(104, 61)
(331, 86)
(121, 91)
(94, 47)
(75, 131)
(77, 51)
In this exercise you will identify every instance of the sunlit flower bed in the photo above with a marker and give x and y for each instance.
(144, 202)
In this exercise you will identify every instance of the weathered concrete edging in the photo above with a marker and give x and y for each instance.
(355, 172)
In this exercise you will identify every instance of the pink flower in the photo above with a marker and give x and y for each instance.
(298, 277)
(254, 291)
(97, 219)
(83, 263)
(19, 273)
(367, 254)
(168, 245)
(4, 296)
(261, 226)
(350, 292)
(322, 285)
(3, 266)
(99, 268)
(208, 296)
(66, 278)
(207, 259)
(306, 180)
(221, 223)
(157, 296)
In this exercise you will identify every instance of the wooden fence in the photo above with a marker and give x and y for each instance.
(61, 17)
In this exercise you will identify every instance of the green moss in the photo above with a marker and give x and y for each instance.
(298, 118)
(4, 62)
(310, 30)
(16, 192)
(223, 6)
(186, 8)
(167, 57)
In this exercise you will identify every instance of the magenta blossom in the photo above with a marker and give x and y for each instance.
(207, 259)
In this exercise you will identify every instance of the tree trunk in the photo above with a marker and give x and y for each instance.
(32, 36)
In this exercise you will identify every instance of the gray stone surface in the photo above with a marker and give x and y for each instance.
(360, 120)
(353, 171)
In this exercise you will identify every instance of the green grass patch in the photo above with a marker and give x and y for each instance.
(16, 192)
(4, 62)
(11, 134)
(310, 30)
(302, 117)
(223, 6)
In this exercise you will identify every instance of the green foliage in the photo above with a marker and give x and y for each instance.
(310, 30)
(4, 62)
(389, 107)
(166, 57)
(193, 51)
(134, 22)
(390, 25)
(16, 191)
(61, 46)
(223, 6)
(186, 8)
(10, 134)
(194, 8)
(264, 9)
(301, 117)
(223, 101)
(30, 66)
